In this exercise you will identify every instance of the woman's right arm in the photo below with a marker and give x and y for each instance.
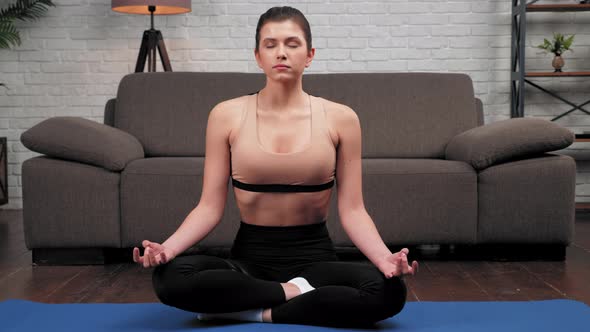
(195, 227)
(208, 213)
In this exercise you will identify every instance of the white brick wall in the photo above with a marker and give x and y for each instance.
(71, 61)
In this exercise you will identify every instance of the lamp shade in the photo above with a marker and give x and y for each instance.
(163, 7)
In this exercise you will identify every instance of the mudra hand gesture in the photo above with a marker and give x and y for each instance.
(397, 264)
(153, 255)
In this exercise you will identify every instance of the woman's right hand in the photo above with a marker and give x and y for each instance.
(154, 254)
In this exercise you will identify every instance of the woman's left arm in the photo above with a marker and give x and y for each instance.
(354, 217)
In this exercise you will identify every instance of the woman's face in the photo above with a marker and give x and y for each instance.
(283, 43)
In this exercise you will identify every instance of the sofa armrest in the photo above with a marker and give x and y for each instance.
(503, 140)
(82, 140)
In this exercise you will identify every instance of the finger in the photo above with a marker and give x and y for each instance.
(158, 259)
(145, 243)
(139, 258)
(415, 266)
(152, 257)
(405, 250)
(135, 254)
(161, 258)
(146, 257)
(164, 258)
(405, 267)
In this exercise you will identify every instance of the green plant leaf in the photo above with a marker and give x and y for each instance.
(568, 42)
(9, 36)
(26, 10)
(20, 10)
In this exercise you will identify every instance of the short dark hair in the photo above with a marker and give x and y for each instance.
(278, 14)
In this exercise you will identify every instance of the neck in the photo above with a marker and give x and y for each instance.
(278, 97)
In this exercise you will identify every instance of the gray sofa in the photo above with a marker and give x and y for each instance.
(433, 174)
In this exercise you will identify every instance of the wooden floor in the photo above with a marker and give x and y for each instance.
(437, 280)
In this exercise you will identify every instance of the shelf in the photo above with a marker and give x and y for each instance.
(558, 8)
(558, 74)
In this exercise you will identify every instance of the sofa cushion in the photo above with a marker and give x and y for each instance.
(402, 115)
(405, 115)
(82, 140)
(416, 201)
(528, 201)
(508, 139)
(168, 111)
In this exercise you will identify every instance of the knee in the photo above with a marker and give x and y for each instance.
(395, 295)
(161, 282)
(167, 281)
(390, 300)
(177, 284)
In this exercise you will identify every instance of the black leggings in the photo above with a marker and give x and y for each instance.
(346, 293)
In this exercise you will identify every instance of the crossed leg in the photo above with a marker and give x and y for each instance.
(346, 294)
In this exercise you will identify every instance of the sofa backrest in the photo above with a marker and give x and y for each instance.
(404, 115)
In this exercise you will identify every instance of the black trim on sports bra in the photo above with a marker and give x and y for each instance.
(281, 187)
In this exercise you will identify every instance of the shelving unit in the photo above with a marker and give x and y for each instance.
(518, 74)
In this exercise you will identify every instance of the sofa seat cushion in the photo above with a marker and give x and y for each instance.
(69, 204)
(156, 196)
(528, 201)
(418, 201)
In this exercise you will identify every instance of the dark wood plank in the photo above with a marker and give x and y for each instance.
(558, 7)
(91, 280)
(582, 231)
(445, 281)
(569, 278)
(510, 281)
(35, 283)
(132, 284)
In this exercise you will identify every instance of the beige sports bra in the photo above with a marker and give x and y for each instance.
(255, 169)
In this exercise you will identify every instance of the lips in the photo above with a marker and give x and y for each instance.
(281, 66)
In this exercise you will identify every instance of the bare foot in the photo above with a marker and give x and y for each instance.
(291, 290)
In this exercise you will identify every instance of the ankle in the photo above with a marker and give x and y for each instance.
(267, 315)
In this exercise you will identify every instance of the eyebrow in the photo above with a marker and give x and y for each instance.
(273, 39)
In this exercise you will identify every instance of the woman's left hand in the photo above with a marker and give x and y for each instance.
(397, 264)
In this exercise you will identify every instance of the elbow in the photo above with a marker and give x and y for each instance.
(351, 215)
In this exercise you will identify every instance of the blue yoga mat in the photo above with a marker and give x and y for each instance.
(549, 315)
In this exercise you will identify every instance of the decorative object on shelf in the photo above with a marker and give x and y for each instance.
(519, 77)
(20, 10)
(557, 46)
(584, 1)
(152, 38)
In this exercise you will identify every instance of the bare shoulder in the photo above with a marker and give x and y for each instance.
(231, 111)
(337, 115)
(230, 106)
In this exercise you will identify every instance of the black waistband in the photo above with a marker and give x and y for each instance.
(281, 187)
(287, 244)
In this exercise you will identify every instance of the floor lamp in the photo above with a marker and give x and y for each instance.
(152, 38)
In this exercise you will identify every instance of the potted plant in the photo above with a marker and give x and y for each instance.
(20, 10)
(557, 46)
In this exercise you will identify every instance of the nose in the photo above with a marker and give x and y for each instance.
(280, 52)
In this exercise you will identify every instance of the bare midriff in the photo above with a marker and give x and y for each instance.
(282, 209)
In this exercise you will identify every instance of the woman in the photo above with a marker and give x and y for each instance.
(287, 148)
